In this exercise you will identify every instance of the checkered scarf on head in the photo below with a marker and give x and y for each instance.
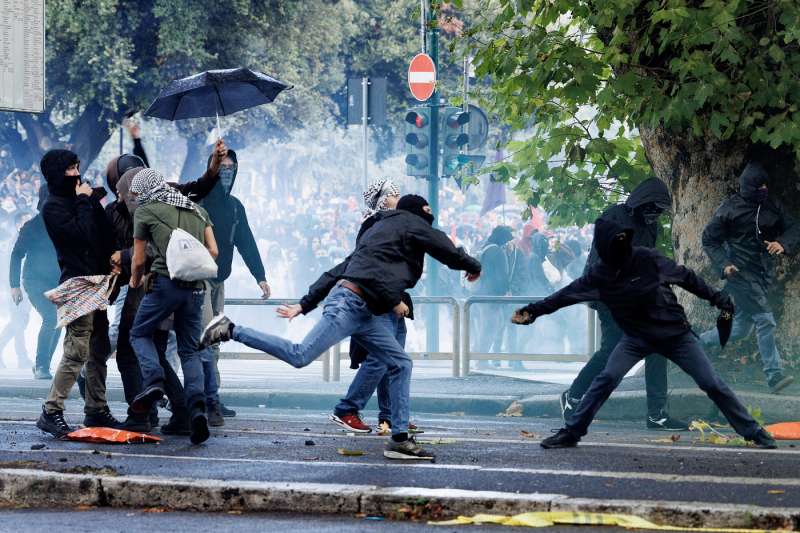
(376, 195)
(150, 186)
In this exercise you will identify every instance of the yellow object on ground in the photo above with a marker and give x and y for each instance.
(548, 519)
(785, 430)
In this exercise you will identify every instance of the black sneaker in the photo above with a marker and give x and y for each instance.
(144, 401)
(40, 372)
(102, 419)
(764, 440)
(227, 413)
(663, 422)
(199, 427)
(154, 422)
(779, 382)
(406, 450)
(218, 330)
(54, 424)
(177, 425)
(564, 438)
(568, 405)
(215, 418)
(137, 423)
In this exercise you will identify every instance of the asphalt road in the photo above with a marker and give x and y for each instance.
(125, 521)
(616, 461)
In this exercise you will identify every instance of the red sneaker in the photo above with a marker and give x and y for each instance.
(351, 423)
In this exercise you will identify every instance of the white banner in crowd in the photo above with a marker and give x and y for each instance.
(22, 65)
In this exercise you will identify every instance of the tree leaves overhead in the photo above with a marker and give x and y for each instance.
(574, 79)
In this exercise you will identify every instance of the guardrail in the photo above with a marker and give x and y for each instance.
(461, 354)
(467, 354)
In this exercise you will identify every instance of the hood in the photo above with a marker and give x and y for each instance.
(118, 166)
(219, 190)
(501, 235)
(43, 194)
(751, 179)
(613, 253)
(54, 166)
(414, 203)
(540, 245)
(651, 190)
(124, 187)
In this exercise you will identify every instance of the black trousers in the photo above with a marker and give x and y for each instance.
(686, 351)
(655, 366)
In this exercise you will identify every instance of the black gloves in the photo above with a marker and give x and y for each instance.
(723, 302)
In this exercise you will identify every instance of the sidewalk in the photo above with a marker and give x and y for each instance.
(534, 393)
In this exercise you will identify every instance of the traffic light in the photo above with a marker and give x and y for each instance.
(455, 141)
(418, 141)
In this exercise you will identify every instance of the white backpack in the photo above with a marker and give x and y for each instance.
(188, 259)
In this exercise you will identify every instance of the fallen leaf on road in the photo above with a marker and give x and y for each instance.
(154, 510)
(437, 441)
(675, 437)
(661, 441)
(349, 453)
(84, 507)
(234, 512)
(310, 443)
(527, 434)
(776, 491)
(515, 409)
(310, 458)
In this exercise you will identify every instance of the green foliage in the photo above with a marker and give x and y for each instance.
(575, 79)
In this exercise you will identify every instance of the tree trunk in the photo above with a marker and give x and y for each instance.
(89, 133)
(701, 174)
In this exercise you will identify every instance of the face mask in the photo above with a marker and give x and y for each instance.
(761, 195)
(650, 214)
(226, 175)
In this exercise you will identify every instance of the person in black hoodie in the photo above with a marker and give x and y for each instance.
(635, 283)
(232, 231)
(387, 261)
(742, 239)
(641, 212)
(84, 242)
(40, 273)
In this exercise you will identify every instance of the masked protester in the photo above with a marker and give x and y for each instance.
(641, 212)
(387, 261)
(742, 239)
(82, 237)
(40, 273)
(635, 284)
(233, 231)
(119, 174)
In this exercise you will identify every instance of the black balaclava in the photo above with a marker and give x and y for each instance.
(649, 213)
(54, 166)
(613, 242)
(501, 235)
(227, 177)
(751, 179)
(414, 204)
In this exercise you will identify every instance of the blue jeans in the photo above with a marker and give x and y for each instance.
(164, 299)
(49, 335)
(345, 315)
(743, 324)
(373, 370)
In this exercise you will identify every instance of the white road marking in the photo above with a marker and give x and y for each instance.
(648, 476)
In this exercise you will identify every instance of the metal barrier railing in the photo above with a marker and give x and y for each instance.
(467, 354)
(461, 354)
(258, 356)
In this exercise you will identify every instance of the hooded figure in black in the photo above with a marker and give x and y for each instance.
(640, 213)
(742, 239)
(40, 273)
(635, 283)
(84, 243)
(231, 229)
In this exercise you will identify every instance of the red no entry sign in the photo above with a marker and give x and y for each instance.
(422, 77)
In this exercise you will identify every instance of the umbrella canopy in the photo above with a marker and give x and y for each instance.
(215, 92)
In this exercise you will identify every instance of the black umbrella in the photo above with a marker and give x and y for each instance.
(724, 327)
(214, 93)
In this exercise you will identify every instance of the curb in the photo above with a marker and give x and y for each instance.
(38, 488)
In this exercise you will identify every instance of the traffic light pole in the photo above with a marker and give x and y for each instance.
(432, 328)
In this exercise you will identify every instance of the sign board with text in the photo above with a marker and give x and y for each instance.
(22, 65)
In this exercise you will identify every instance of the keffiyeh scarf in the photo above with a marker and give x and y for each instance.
(376, 195)
(150, 186)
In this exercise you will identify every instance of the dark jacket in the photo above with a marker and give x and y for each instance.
(389, 257)
(35, 247)
(77, 226)
(651, 190)
(732, 238)
(231, 228)
(539, 284)
(638, 293)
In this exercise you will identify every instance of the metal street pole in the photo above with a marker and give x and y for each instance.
(364, 123)
(433, 175)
